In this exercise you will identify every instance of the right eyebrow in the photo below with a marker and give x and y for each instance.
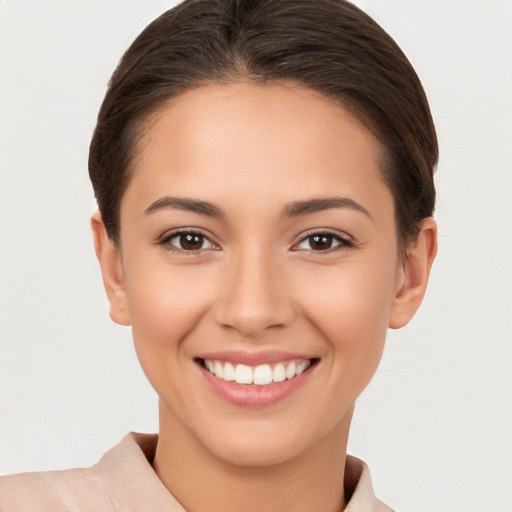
(185, 203)
(298, 208)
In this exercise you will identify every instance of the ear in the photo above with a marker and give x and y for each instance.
(109, 258)
(413, 274)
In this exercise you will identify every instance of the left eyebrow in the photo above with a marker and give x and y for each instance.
(320, 204)
(185, 203)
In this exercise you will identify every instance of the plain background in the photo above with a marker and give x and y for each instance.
(435, 425)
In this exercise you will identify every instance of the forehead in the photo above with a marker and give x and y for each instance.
(250, 140)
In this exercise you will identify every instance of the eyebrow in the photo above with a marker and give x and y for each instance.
(298, 208)
(184, 203)
(295, 209)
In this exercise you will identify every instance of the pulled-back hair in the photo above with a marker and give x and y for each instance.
(330, 46)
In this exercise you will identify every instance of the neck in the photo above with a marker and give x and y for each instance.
(202, 482)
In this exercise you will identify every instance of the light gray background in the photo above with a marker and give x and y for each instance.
(435, 425)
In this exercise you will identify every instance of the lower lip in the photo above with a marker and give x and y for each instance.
(251, 395)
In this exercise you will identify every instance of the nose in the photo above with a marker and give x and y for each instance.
(253, 296)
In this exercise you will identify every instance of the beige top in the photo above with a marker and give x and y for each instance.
(124, 481)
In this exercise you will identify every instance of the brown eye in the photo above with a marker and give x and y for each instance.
(323, 242)
(190, 241)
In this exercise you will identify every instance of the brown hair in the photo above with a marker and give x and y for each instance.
(330, 46)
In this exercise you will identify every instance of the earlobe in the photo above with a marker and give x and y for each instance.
(112, 272)
(414, 274)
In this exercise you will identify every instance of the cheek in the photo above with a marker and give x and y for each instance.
(166, 303)
(350, 307)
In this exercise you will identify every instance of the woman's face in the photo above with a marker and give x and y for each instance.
(257, 238)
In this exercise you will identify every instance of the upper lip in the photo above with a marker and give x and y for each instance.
(253, 358)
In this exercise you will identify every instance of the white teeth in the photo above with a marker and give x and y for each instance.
(261, 375)
(243, 374)
(300, 367)
(228, 373)
(218, 369)
(290, 370)
(279, 373)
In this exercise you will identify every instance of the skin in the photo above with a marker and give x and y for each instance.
(251, 150)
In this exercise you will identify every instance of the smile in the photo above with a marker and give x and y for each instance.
(261, 375)
(255, 379)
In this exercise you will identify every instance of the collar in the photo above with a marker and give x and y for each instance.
(132, 484)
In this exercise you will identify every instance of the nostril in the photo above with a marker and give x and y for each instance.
(253, 299)
(254, 322)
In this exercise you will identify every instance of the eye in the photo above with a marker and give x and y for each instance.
(323, 242)
(189, 241)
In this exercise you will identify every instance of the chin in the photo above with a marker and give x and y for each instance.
(258, 454)
(265, 443)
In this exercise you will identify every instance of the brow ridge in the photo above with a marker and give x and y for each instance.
(294, 209)
(314, 205)
(185, 203)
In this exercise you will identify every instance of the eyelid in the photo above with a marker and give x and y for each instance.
(164, 240)
(347, 242)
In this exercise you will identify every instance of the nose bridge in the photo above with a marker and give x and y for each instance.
(253, 294)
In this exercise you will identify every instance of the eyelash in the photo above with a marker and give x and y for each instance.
(343, 240)
(165, 241)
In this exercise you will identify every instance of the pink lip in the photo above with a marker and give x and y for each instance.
(251, 395)
(253, 358)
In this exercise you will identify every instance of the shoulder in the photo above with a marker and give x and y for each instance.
(68, 490)
(359, 488)
(54, 490)
(123, 480)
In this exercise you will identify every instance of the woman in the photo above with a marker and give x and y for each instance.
(263, 171)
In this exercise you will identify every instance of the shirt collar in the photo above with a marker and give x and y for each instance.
(132, 484)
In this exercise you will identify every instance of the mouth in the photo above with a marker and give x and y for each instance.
(255, 380)
(260, 375)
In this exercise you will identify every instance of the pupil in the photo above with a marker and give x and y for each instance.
(191, 241)
(321, 242)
